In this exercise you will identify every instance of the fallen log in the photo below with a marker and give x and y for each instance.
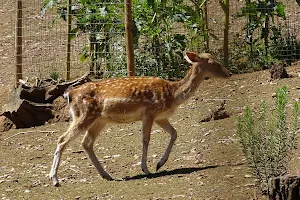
(32, 105)
(46, 91)
(58, 90)
(25, 114)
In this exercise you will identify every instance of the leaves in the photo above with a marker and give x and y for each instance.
(280, 9)
(46, 4)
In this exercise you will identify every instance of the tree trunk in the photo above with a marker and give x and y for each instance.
(284, 188)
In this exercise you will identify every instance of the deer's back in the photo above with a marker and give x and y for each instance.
(123, 99)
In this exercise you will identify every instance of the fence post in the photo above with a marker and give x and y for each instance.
(226, 33)
(18, 47)
(69, 27)
(129, 38)
(205, 26)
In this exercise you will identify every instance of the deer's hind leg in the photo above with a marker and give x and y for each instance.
(147, 122)
(88, 144)
(78, 125)
(165, 124)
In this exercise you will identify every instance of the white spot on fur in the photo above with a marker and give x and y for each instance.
(114, 100)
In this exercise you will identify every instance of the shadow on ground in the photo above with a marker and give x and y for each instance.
(180, 171)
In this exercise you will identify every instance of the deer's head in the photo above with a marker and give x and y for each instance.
(207, 64)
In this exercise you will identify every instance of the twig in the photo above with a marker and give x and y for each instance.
(19, 133)
(75, 170)
(49, 132)
(217, 99)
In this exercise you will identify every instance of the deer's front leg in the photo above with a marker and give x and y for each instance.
(147, 123)
(165, 124)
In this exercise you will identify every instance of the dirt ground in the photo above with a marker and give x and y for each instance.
(206, 162)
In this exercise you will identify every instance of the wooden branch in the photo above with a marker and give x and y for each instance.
(19, 133)
(58, 90)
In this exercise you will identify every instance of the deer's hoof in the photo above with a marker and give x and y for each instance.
(55, 181)
(108, 177)
(158, 166)
(146, 171)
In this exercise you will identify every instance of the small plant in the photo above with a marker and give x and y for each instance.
(267, 142)
(54, 75)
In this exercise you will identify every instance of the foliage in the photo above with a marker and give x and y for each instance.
(196, 23)
(286, 46)
(158, 47)
(261, 16)
(159, 44)
(267, 142)
(102, 22)
(158, 50)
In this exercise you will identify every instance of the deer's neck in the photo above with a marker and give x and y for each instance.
(186, 87)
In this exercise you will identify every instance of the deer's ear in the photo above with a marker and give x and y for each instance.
(191, 57)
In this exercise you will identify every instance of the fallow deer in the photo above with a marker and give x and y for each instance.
(93, 105)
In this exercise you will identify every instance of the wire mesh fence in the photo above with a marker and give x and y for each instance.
(162, 31)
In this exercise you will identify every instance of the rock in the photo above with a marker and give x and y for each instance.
(5, 124)
(218, 113)
(278, 71)
(248, 176)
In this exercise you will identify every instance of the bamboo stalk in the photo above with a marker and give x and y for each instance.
(69, 27)
(129, 38)
(92, 53)
(226, 33)
(206, 27)
(18, 38)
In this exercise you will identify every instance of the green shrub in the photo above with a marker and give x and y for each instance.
(267, 142)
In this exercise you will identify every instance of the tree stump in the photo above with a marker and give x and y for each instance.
(284, 188)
